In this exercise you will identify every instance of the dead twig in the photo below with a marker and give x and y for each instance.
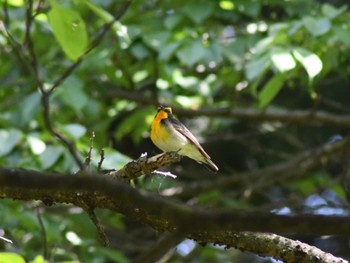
(144, 165)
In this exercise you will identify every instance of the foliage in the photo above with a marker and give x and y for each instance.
(263, 54)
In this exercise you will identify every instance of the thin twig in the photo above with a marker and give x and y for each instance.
(6, 14)
(6, 240)
(29, 22)
(46, 93)
(165, 243)
(45, 99)
(15, 45)
(43, 232)
(94, 43)
(102, 154)
(88, 157)
(91, 213)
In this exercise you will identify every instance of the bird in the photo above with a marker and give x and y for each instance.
(169, 134)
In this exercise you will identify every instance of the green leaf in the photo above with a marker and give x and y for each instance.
(75, 130)
(173, 20)
(282, 60)
(50, 156)
(113, 159)
(8, 140)
(317, 26)
(73, 94)
(6, 257)
(134, 125)
(70, 31)
(29, 107)
(17, 3)
(139, 51)
(39, 259)
(192, 53)
(107, 17)
(310, 61)
(342, 34)
(250, 8)
(331, 11)
(167, 52)
(113, 255)
(226, 5)
(270, 90)
(118, 27)
(157, 40)
(185, 81)
(257, 66)
(198, 11)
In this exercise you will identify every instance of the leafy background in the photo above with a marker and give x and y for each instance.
(263, 54)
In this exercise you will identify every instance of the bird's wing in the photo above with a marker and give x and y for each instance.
(185, 132)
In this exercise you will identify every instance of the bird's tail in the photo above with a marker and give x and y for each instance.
(210, 165)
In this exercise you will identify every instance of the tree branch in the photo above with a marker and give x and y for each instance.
(293, 168)
(289, 116)
(46, 93)
(309, 117)
(94, 43)
(144, 165)
(161, 248)
(216, 226)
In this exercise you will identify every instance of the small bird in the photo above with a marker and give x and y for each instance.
(169, 134)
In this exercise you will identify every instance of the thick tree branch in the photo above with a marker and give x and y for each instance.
(309, 117)
(216, 226)
(289, 116)
(292, 251)
(293, 168)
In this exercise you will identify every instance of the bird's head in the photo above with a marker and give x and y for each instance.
(164, 112)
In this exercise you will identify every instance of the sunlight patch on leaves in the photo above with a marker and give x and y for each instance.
(283, 60)
(11, 257)
(36, 145)
(310, 61)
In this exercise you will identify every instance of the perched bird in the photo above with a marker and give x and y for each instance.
(169, 134)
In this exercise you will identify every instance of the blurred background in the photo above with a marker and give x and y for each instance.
(248, 78)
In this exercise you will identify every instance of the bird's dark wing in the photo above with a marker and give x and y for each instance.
(185, 132)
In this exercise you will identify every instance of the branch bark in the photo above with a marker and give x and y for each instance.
(292, 169)
(215, 226)
(295, 116)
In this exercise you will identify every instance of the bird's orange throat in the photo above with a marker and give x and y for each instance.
(157, 119)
